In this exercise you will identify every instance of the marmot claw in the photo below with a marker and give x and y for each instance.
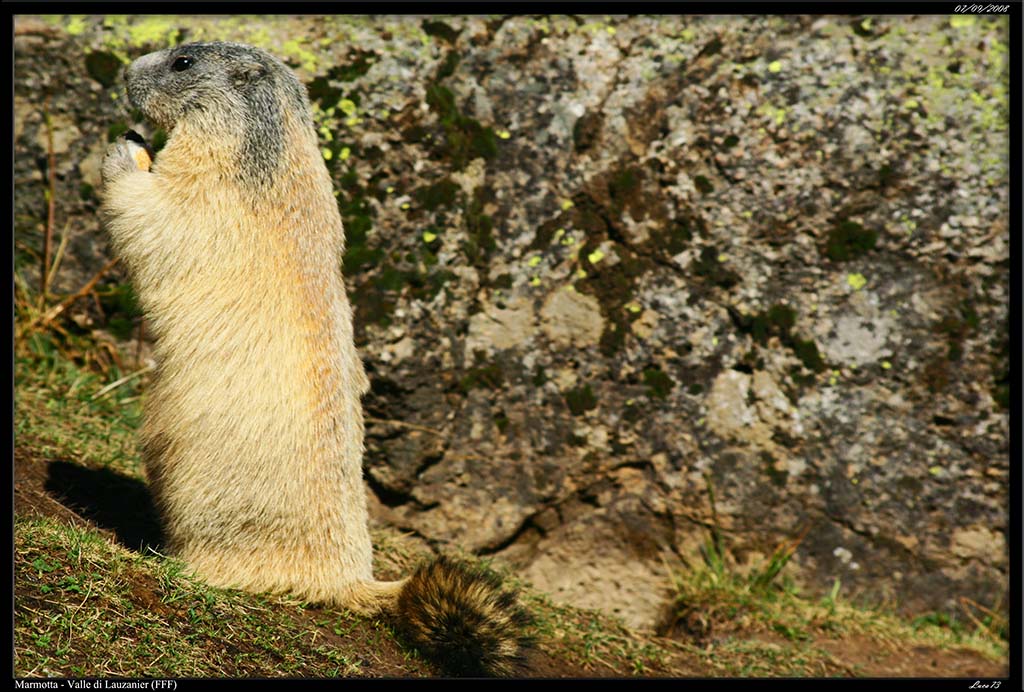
(126, 154)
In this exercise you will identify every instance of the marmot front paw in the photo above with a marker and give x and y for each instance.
(127, 153)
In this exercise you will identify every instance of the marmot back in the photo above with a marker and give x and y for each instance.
(253, 433)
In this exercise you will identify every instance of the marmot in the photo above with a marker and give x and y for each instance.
(253, 431)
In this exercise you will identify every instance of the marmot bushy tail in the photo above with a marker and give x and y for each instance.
(253, 432)
(460, 616)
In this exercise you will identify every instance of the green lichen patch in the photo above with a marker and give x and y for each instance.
(381, 279)
(359, 255)
(489, 376)
(625, 188)
(104, 67)
(886, 175)
(672, 237)
(389, 279)
(322, 92)
(356, 214)
(464, 138)
(613, 286)
(372, 306)
(777, 477)
(709, 267)
(359, 63)
(658, 383)
(865, 27)
(587, 130)
(778, 321)
(597, 213)
(712, 47)
(1001, 372)
(424, 286)
(807, 351)
(957, 326)
(441, 193)
(155, 30)
(849, 240)
(703, 185)
(76, 25)
(502, 281)
(545, 233)
(447, 68)
(441, 30)
(479, 242)
(540, 376)
(580, 400)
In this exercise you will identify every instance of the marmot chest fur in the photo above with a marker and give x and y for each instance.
(253, 433)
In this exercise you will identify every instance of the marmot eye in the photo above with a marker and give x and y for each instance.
(182, 64)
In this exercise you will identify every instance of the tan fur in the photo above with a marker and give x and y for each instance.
(254, 431)
(253, 436)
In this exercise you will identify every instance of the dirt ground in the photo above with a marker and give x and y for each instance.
(118, 507)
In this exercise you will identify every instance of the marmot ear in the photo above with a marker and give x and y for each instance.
(247, 71)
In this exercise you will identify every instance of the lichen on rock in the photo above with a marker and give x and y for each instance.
(604, 267)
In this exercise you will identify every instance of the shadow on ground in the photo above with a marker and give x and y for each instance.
(112, 501)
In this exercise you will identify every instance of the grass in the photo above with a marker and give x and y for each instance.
(591, 640)
(87, 606)
(759, 623)
(55, 402)
(63, 396)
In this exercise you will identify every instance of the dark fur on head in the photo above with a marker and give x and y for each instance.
(459, 616)
(237, 91)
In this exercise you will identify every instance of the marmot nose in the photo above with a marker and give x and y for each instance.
(140, 73)
(146, 61)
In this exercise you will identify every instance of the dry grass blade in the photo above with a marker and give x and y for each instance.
(996, 621)
(52, 313)
(51, 201)
(779, 559)
(117, 383)
(23, 296)
(64, 236)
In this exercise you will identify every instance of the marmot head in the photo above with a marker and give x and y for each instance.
(230, 92)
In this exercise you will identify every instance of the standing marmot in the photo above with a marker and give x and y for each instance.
(253, 438)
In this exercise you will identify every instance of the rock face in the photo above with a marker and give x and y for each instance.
(600, 264)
